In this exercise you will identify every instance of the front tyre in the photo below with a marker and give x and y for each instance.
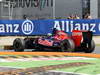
(67, 45)
(19, 45)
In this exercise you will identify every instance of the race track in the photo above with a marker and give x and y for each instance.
(50, 63)
(96, 51)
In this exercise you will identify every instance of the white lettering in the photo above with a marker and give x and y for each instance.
(2, 28)
(77, 26)
(85, 26)
(92, 27)
(71, 25)
(27, 26)
(63, 25)
(9, 28)
(30, 27)
(16, 28)
(77, 34)
(67, 26)
(99, 26)
(57, 25)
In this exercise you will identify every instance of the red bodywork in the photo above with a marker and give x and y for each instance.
(77, 37)
(78, 40)
(60, 35)
(57, 37)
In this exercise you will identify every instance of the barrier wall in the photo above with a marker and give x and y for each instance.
(43, 27)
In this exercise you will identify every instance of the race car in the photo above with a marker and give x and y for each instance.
(78, 40)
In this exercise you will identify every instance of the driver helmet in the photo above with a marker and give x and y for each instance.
(49, 34)
(54, 31)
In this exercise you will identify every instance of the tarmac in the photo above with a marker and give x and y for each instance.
(96, 39)
(8, 40)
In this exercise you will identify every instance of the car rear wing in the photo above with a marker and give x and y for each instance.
(80, 36)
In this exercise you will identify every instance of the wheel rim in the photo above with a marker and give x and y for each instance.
(65, 47)
(89, 47)
(18, 45)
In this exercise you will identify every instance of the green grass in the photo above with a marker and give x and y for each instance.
(27, 64)
(1, 47)
(97, 44)
(92, 69)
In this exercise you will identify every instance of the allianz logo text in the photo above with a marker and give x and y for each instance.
(27, 27)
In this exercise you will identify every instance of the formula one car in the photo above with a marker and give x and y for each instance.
(59, 40)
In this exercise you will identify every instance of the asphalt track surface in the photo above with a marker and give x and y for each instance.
(96, 51)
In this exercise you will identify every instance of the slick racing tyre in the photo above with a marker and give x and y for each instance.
(67, 45)
(29, 43)
(19, 45)
(89, 47)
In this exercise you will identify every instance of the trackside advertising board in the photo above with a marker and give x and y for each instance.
(43, 27)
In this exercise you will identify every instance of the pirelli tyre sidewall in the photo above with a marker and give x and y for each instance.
(19, 45)
(67, 45)
(90, 47)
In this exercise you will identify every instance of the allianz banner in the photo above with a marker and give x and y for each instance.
(43, 27)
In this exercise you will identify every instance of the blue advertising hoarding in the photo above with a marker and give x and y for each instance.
(43, 27)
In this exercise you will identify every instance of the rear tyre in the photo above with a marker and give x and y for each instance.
(67, 45)
(19, 45)
(90, 47)
(29, 43)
